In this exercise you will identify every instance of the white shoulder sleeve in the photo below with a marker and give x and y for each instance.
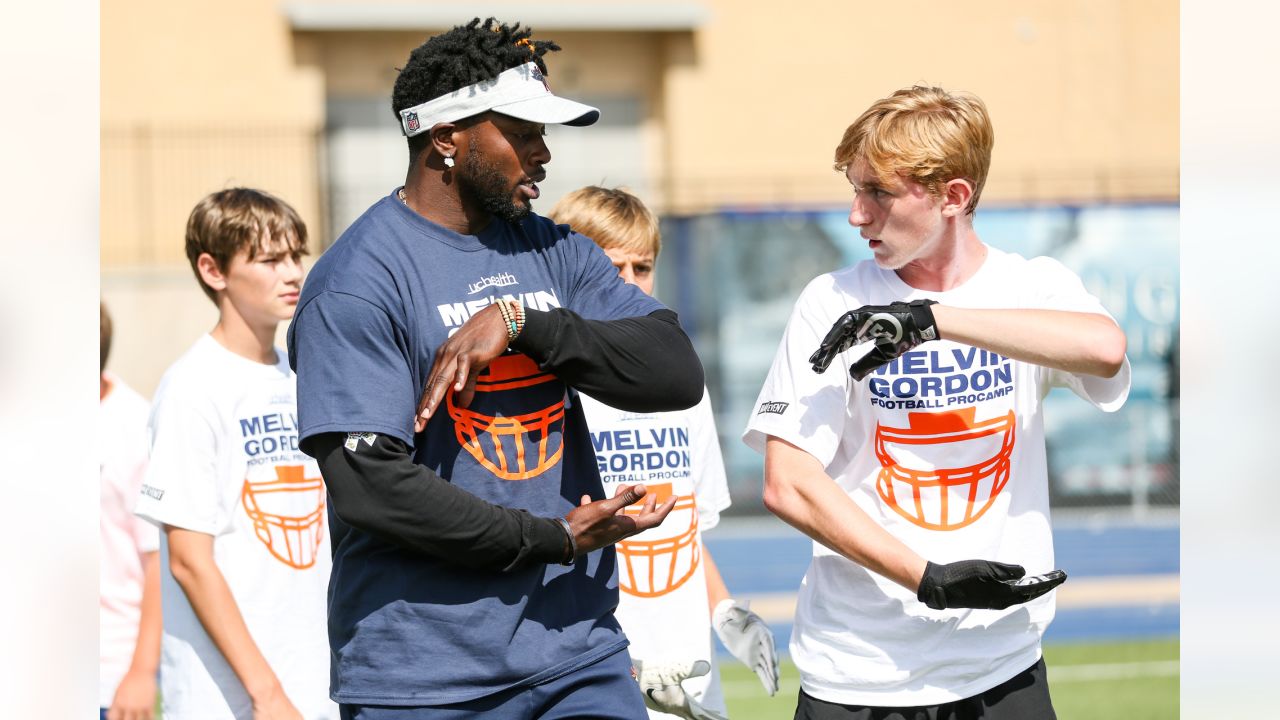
(1062, 290)
(796, 404)
(181, 487)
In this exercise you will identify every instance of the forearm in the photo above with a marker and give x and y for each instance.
(379, 490)
(642, 364)
(1075, 342)
(798, 490)
(716, 589)
(146, 651)
(216, 609)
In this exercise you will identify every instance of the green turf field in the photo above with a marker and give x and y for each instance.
(1089, 681)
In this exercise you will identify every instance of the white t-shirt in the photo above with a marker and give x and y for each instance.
(225, 461)
(663, 587)
(944, 415)
(123, 538)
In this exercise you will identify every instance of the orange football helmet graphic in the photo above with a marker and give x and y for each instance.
(513, 447)
(663, 558)
(273, 506)
(946, 469)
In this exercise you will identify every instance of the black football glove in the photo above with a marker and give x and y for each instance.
(894, 328)
(982, 584)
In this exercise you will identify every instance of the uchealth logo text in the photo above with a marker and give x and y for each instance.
(642, 454)
(499, 280)
(776, 408)
(453, 315)
(269, 434)
(923, 379)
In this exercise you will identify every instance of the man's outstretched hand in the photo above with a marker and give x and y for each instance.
(894, 329)
(459, 360)
(600, 523)
(982, 584)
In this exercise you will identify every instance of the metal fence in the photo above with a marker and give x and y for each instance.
(152, 176)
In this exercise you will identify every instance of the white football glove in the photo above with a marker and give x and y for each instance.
(660, 685)
(745, 635)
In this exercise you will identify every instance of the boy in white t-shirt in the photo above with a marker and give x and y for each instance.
(916, 461)
(128, 559)
(245, 548)
(670, 585)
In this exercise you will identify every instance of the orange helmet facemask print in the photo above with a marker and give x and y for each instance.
(946, 469)
(513, 447)
(273, 506)
(663, 558)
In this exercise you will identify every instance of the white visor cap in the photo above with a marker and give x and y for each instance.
(521, 92)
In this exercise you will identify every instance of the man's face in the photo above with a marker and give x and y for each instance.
(502, 164)
(901, 222)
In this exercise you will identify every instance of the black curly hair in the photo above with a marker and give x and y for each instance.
(465, 55)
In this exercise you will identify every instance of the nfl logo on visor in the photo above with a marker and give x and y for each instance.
(412, 121)
(537, 75)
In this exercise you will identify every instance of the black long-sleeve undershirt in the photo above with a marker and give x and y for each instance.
(642, 364)
(378, 488)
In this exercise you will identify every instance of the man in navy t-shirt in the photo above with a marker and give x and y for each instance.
(439, 345)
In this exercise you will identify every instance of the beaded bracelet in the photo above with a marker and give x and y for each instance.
(514, 315)
(504, 310)
(518, 309)
(508, 318)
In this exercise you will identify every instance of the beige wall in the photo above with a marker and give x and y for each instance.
(198, 97)
(744, 109)
(195, 97)
(1080, 93)
(363, 64)
(229, 62)
(156, 315)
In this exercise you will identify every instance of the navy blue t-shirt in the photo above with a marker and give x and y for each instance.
(406, 628)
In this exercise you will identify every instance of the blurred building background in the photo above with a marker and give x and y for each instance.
(723, 115)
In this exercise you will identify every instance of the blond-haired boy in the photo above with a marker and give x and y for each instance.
(916, 461)
(245, 550)
(670, 585)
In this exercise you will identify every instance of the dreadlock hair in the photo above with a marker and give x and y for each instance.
(463, 56)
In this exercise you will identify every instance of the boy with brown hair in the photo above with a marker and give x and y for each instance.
(245, 550)
(670, 586)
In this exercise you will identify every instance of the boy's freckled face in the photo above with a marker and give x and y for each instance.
(901, 222)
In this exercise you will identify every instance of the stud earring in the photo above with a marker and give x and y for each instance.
(448, 161)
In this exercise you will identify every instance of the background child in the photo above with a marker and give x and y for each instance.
(128, 557)
(670, 585)
(245, 548)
